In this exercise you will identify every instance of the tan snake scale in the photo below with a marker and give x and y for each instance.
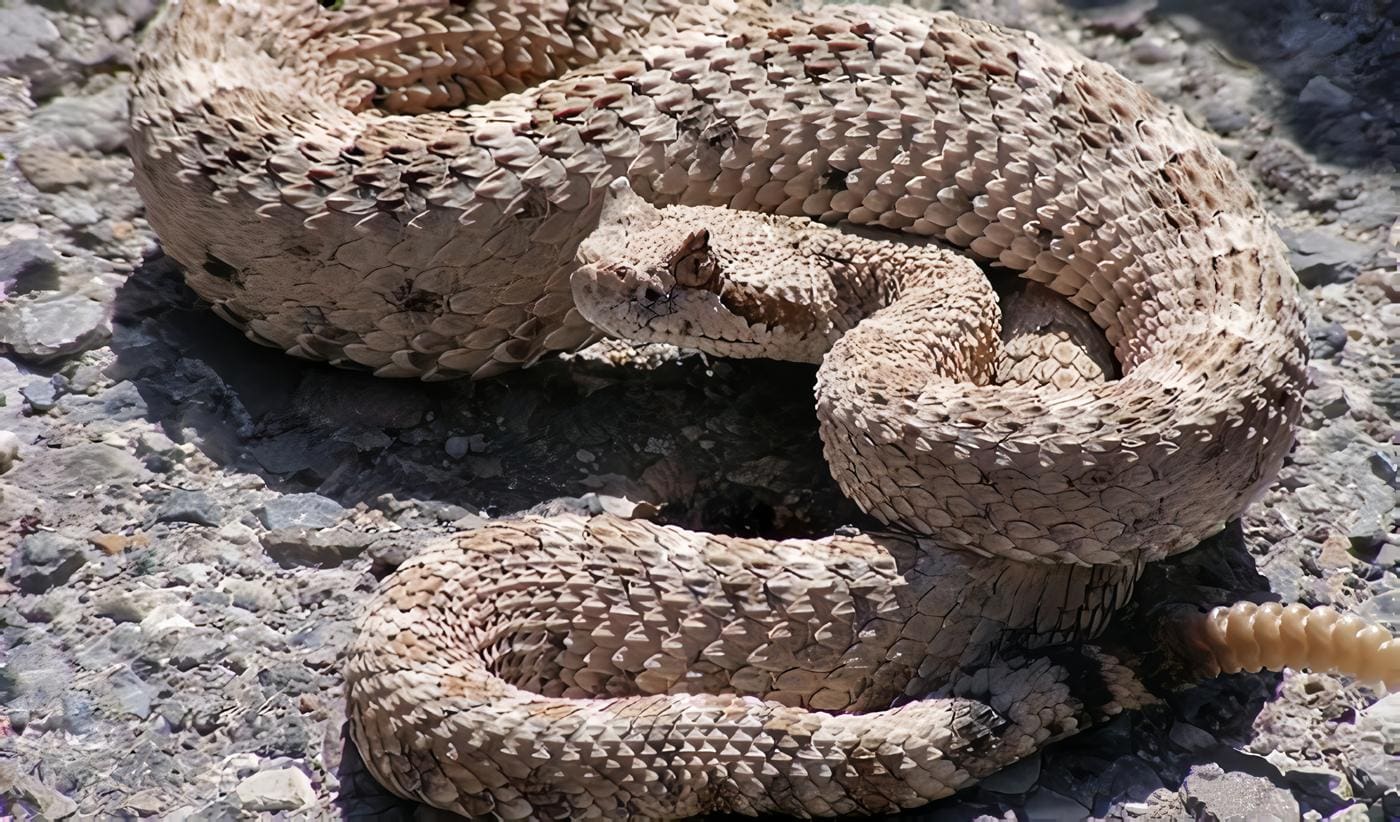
(405, 186)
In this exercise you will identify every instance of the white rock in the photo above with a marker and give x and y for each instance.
(237, 533)
(1383, 720)
(9, 450)
(284, 789)
(163, 619)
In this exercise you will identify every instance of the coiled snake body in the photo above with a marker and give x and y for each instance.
(405, 186)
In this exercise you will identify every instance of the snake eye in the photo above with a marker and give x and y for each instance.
(651, 295)
(692, 265)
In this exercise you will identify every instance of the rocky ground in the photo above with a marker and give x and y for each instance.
(189, 524)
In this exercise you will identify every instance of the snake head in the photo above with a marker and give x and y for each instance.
(696, 277)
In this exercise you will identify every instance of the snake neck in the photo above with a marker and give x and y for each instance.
(832, 282)
(860, 276)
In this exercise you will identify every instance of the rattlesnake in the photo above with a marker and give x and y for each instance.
(405, 186)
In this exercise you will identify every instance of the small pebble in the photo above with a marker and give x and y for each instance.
(456, 447)
(40, 396)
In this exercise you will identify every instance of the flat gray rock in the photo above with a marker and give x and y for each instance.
(44, 326)
(45, 560)
(300, 511)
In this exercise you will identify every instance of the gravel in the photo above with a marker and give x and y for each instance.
(1216, 796)
(190, 524)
